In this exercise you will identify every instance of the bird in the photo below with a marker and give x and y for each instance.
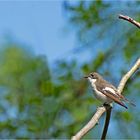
(105, 91)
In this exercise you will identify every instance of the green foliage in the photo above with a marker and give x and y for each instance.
(24, 77)
(98, 61)
(125, 116)
(36, 104)
(89, 12)
(132, 46)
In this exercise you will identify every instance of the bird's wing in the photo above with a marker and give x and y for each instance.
(115, 93)
(112, 90)
(115, 99)
(126, 100)
(112, 94)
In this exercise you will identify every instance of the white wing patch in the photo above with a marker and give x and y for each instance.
(110, 90)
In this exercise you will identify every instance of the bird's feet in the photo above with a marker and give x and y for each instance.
(108, 105)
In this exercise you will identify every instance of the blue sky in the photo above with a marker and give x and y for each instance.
(39, 25)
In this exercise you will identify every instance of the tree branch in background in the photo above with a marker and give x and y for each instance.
(129, 19)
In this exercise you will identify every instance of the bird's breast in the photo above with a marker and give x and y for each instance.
(100, 96)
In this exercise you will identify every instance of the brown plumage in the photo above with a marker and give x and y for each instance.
(104, 87)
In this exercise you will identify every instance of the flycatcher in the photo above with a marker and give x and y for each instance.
(106, 92)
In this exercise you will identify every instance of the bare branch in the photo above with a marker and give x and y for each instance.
(128, 75)
(124, 79)
(129, 19)
(101, 110)
(120, 89)
(90, 124)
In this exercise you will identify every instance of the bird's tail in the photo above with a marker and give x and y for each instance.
(126, 100)
(121, 103)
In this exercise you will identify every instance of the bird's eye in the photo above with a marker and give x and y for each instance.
(92, 75)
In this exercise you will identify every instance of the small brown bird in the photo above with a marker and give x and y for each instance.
(106, 92)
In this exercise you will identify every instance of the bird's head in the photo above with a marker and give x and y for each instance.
(93, 77)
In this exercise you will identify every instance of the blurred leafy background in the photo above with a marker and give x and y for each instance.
(43, 98)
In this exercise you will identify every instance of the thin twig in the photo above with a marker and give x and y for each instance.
(101, 110)
(129, 19)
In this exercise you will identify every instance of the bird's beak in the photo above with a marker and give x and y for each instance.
(86, 77)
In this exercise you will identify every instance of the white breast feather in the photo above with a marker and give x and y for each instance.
(92, 80)
(100, 96)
